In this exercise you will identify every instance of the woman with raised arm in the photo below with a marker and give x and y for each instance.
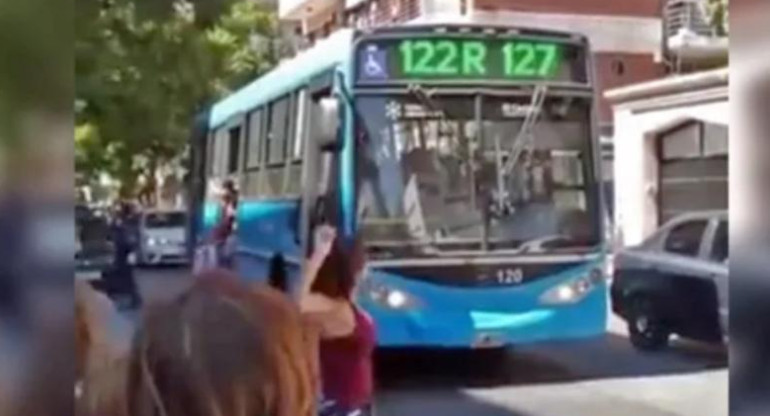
(224, 233)
(347, 332)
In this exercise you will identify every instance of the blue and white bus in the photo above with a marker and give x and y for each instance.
(466, 156)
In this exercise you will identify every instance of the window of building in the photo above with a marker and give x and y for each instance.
(685, 239)
(618, 67)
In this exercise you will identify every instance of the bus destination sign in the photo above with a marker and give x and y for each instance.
(468, 59)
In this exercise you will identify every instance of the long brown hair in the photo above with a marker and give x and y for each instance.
(339, 271)
(100, 359)
(222, 349)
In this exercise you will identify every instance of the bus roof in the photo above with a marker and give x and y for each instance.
(284, 78)
(451, 26)
(331, 52)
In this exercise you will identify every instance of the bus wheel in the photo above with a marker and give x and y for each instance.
(646, 327)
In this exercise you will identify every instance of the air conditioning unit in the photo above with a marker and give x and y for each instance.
(689, 35)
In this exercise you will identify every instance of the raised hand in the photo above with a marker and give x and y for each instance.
(324, 237)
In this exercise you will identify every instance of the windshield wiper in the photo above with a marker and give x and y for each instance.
(424, 97)
(524, 139)
(525, 135)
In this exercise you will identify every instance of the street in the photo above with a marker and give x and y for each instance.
(603, 377)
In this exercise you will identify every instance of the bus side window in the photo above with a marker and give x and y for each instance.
(217, 153)
(278, 125)
(233, 149)
(254, 159)
(222, 144)
(325, 177)
(209, 168)
(295, 145)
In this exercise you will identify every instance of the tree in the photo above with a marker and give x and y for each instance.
(35, 75)
(89, 160)
(141, 78)
(718, 12)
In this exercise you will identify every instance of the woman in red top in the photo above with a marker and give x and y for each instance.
(224, 232)
(347, 332)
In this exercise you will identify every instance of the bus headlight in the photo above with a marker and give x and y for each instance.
(573, 291)
(391, 298)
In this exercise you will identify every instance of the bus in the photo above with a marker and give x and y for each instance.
(466, 156)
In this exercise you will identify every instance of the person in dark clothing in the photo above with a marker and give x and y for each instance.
(120, 280)
(276, 276)
(13, 220)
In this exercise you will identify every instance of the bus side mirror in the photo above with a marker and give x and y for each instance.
(326, 123)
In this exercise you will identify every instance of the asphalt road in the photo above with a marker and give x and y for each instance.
(602, 377)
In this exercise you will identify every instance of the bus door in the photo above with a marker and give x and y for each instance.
(215, 159)
(320, 198)
(195, 182)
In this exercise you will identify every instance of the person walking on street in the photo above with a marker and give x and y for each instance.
(121, 280)
(347, 333)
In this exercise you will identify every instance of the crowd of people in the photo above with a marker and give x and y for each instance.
(225, 347)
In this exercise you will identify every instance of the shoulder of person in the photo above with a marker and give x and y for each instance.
(109, 332)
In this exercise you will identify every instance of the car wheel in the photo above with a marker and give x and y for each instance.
(646, 326)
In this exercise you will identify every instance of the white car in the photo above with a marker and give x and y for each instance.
(162, 238)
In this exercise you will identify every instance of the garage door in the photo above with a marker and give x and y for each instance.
(693, 169)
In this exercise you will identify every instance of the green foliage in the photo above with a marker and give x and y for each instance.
(718, 10)
(36, 66)
(142, 76)
(89, 160)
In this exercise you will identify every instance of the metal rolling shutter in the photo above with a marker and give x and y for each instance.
(693, 169)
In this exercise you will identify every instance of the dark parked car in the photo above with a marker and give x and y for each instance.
(94, 251)
(675, 282)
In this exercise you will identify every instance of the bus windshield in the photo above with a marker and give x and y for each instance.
(448, 173)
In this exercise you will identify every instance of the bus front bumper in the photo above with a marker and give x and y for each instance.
(479, 328)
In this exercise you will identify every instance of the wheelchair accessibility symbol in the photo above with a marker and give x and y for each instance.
(374, 63)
